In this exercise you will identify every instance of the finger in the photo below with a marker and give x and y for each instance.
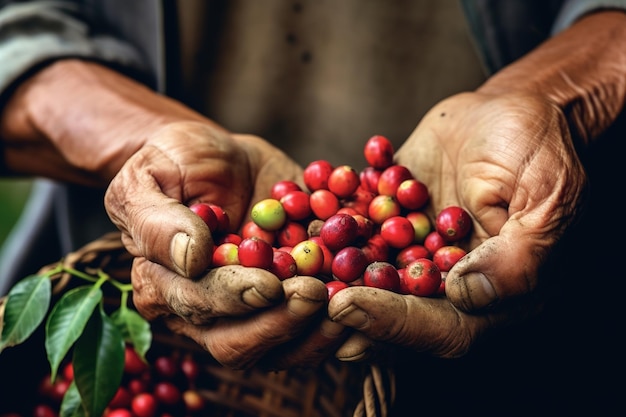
(358, 347)
(240, 342)
(224, 291)
(421, 323)
(501, 268)
(319, 342)
(155, 226)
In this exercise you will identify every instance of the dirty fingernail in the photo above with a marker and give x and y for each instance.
(350, 357)
(353, 317)
(480, 291)
(302, 307)
(178, 252)
(254, 298)
(356, 348)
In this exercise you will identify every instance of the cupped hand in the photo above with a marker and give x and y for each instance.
(240, 315)
(508, 160)
(184, 163)
(243, 316)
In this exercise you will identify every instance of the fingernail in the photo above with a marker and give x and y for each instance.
(178, 252)
(480, 291)
(353, 317)
(331, 329)
(340, 355)
(357, 348)
(254, 298)
(302, 307)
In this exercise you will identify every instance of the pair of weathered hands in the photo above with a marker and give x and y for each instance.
(504, 152)
(508, 160)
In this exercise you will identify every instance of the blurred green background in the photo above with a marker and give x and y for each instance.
(13, 195)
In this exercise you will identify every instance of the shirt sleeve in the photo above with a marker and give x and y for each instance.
(38, 32)
(505, 30)
(572, 10)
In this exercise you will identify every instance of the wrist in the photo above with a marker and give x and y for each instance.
(582, 71)
(86, 119)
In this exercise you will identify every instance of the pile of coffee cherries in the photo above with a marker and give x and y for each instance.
(347, 228)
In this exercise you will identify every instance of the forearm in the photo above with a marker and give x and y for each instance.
(582, 70)
(79, 121)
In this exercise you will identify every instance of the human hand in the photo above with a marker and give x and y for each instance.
(510, 162)
(188, 162)
(157, 156)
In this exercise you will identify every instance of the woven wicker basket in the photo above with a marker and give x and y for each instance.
(335, 389)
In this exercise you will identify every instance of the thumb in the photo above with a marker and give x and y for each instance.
(155, 226)
(502, 267)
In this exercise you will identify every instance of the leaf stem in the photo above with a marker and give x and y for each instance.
(124, 300)
(52, 272)
(99, 279)
(82, 275)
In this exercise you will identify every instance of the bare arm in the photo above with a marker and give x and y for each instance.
(582, 71)
(84, 120)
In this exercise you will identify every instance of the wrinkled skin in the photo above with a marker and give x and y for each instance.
(507, 159)
(512, 166)
(511, 163)
(188, 162)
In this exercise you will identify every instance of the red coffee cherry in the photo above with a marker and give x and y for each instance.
(339, 231)
(281, 188)
(447, 256)
(44, 410)
(398, 232)
(283, 265)
(334, 287)
(190, 367)
(133, 364)
(382, 275)
(206, 213)
(378, 152)
(144, 405)
(349, 264)
(255, 252)
(166, 366)
(343, 181)
(167, 393)
(315, 175)
(421, 277)
(453, 223)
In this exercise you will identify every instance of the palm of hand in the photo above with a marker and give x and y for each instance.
(507, 160)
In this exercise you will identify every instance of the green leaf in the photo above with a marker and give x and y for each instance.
(71, 406)
(26, 307)
(67, 321)
(134, 328)
(98, 363)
